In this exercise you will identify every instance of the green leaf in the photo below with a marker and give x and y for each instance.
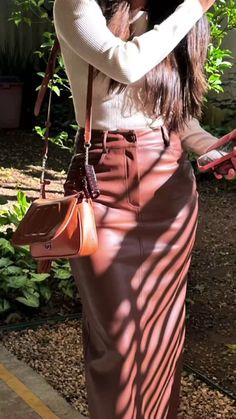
(30, 291)
(44, 15)
(231, 346)
(24, 250)
(27, 20)
(38, 277)
(5, 262)
(4, 219)
(3, 200)
(62, 274)
(45, 292)
(60, 263)
(17, 210)
(17, 21)
(40, 131)
(47, 35)
(67, 289)
(56, 90)
(4, 305)
(30, 301)
(22, 201)
(41, 74)
(30, 264)
(12, 270)
(40, 3)
(6, 246)
(17, 282)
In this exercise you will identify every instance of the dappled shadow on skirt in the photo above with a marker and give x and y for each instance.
(133, 288)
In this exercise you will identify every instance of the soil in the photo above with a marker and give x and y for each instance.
(211, 306)
(211, 326)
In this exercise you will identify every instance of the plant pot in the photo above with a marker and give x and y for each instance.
(10, 102)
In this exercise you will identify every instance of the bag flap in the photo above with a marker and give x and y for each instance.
(44, 220)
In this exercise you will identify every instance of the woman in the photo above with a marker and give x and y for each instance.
(145, 102)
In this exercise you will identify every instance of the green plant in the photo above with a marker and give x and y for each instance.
(12, 216)
(28, 13)
(18, 43)
(222, 18)
(62, 139)
(62, 273)
(19, 280)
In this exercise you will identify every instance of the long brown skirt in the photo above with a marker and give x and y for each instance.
(133, 288)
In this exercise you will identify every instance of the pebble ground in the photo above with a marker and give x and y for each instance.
(56, 353)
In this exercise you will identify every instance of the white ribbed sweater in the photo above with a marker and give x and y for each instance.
(84, 38)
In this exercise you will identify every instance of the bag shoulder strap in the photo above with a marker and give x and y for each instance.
(48, 76)
(50, 69)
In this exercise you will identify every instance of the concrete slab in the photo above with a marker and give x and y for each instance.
(11, 406)
(25, 394)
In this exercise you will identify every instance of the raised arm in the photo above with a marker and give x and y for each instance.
(81, 26)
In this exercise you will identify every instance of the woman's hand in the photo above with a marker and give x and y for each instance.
(227, 169)
(119, 23)
(206, 4)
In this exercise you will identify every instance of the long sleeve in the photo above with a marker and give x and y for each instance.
(82, 27)
(195, 138)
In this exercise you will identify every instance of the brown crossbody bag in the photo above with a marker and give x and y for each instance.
(62, 227)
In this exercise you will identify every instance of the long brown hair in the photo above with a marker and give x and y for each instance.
(175, 88)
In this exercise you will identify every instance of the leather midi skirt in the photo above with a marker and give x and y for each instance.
(133, 288)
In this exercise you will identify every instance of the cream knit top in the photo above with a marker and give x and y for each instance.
(85, 38)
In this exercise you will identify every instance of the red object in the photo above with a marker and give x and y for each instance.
(219, 156)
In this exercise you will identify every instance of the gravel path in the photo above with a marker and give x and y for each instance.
(56, 353)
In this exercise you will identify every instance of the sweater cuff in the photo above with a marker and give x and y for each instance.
(193, 7)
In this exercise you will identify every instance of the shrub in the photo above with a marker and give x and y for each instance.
(19, 280)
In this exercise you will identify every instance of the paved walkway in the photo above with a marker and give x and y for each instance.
(26, 395)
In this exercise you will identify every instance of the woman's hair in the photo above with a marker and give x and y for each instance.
(174, 89)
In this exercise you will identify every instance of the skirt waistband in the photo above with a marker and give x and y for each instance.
(129, 135)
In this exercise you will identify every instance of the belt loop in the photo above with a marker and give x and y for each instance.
(104, 143)
(165, 136)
